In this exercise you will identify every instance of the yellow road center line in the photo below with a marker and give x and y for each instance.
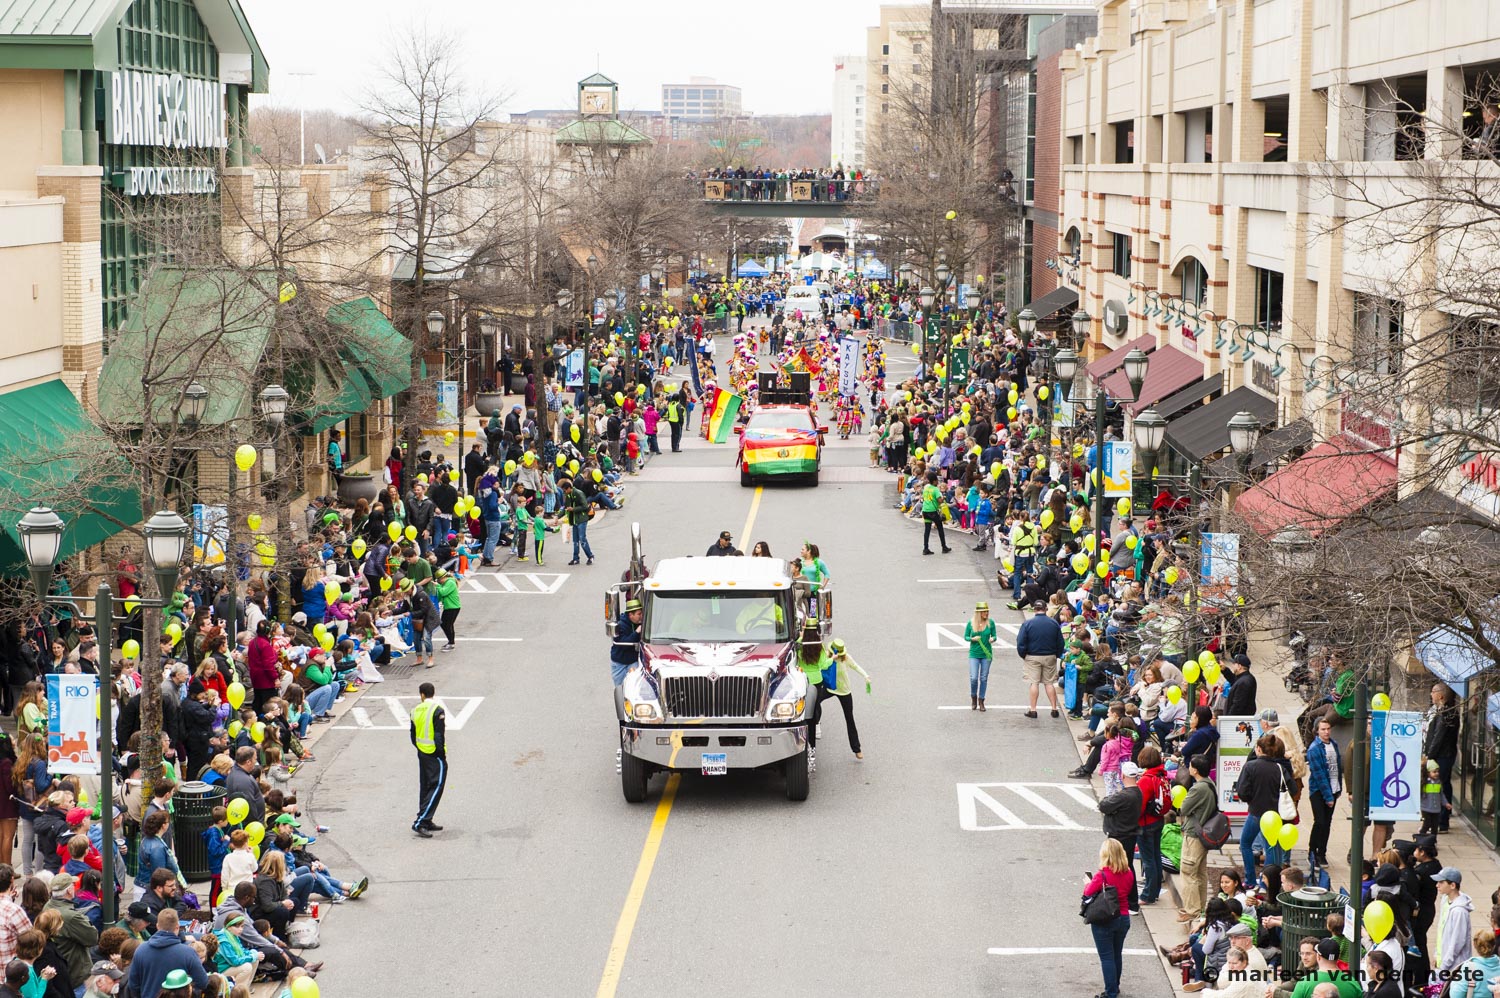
(625, 927)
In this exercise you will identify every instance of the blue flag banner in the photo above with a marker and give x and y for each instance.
(1395, 765)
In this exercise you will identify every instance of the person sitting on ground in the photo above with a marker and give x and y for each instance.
(234, 958)
(276, 959)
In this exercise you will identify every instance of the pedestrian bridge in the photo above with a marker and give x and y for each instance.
(781, 198)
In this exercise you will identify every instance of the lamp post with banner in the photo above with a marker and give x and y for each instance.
(166, 536)
(1083, 392)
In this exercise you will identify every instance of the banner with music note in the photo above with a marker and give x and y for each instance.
(1395, 765)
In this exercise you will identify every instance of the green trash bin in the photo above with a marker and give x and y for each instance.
(193, 808)
(1304, 913)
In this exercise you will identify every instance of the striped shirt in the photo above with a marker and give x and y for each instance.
(13, 922)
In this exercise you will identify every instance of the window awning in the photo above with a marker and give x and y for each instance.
(1205, 431)
(1110, 362)
(1054, 301)
(1208, 388)
(372, 344)
(1319, 490)
(1453, 657)
(1170, 369)
(52, 455)
(1269, 450)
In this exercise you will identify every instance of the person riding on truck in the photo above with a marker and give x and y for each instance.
(625, 650)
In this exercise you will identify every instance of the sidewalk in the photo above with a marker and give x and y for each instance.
(1462, 847)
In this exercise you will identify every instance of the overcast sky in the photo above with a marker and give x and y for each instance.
(779, 52)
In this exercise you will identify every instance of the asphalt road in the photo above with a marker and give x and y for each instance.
(883, 883)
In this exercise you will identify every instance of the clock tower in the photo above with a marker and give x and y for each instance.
(598, 97)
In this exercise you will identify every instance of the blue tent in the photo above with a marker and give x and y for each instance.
(875, 269)
(751, 269)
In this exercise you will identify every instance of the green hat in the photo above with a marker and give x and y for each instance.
(837, 644)
(633, 605)
(176, 979)
(982, 606)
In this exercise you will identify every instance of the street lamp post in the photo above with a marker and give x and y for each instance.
(167, 536)
(1082, 391)
(588, 335)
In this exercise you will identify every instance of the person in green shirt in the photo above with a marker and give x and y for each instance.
(813, 568)
(932, 513)
(980, 633)
(812, 659)
(1345, 982)
(446, 592)
(839, 665)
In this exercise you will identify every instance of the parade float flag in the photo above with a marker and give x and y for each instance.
(812, 366)
(780, 452)
(722, 414)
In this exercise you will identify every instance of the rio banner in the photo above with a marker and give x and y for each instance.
(1395, 765)
(72, 723)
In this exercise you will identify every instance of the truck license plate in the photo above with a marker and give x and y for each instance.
(715, 763)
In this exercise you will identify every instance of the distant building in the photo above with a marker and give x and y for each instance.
(849, 110)
(700, 99)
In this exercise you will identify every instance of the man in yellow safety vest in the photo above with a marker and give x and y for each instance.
(432, 759)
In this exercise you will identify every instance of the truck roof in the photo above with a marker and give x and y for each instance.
(705, 572)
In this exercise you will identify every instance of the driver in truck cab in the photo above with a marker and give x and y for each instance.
(625, 652)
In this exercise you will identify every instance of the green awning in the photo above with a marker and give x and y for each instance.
(371, 343)
(339, 391)
(52, 455)
(212, 326)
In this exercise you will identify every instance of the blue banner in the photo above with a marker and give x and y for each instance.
(1395, 765)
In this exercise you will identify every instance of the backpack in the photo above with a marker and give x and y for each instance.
(1215, 831)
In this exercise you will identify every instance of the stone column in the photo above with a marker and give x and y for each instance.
(83, 317)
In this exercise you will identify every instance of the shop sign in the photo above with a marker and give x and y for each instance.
(1369, 428)
(167, 110)
(1262, 378)
(156, 180)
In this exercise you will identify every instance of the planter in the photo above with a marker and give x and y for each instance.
(517, 383)
(355, 487)
(485, 403)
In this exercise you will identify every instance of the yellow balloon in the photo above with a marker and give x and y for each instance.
(258, 732)
(385, 583)
(562, 460)
(244, 457)
(1075, 522)
(422, 478)
(237, 810)
(995, 467)
(1171, 575)
(131, 603)
(1212, 674)
(1102, 569)
(235, 694)
(1131, 541)
(1090, 542)
(528, 459)
(1179, 794)
(1270, 825)
(1380, 701)
(131, 649)
(453, 475)
(394, 530)
(1379, 920)
(573, 467)
(1080, 563)
(917, 350)
(573, 432)
(473, 512)
(1206, 658)
(619, 398)
(951, 215)
(1043, 392)
(1046, 518)
(1010, 413)
(1287, 837)
(411, 533)
(1191, 671)
(1013, 397)
(449, 437)
(1123, 507)
(332, 592)
(510, 467)
(235, 727)
(1174, 694)
(597, 475)
(255, 831)
(319, 630)
(253, 521)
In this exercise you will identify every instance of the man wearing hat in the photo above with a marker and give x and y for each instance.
(428, 736)
(1241, 695)
(103, 980)
(1455, 911)
(1039, 643)
(136, 920)
(724, 546)
(841, 663)
(1242, 938)
(625, 650)
(77, 936)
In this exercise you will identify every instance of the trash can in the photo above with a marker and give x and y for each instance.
(193, 810)
(1303, 913)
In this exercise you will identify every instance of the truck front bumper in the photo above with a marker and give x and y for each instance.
(684, 748)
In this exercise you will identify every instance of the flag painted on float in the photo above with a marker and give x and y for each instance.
(790, 454)
(724, 410)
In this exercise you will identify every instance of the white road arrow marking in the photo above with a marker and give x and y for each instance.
(950, 637)
(996, 799)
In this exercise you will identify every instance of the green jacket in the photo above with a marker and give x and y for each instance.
(1200, 804)
(577, 505)
(318, 673)
(447, 593)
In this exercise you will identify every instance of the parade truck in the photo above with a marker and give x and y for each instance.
(716, 688)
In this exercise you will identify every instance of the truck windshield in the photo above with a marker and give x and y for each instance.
(716, 617)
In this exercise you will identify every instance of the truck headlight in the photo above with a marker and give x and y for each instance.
(645, 712)
(785, 710)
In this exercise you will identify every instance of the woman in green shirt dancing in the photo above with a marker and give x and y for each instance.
(980, 633)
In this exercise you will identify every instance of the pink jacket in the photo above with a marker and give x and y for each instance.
(650, 418)
(1115, 751)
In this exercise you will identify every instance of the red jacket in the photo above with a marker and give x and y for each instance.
(1154, 787)
(261, 659)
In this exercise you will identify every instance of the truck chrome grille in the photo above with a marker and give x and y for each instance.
(698, 696)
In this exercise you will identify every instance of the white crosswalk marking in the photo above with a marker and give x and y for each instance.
(514, 583)
(1007, 807)
(950, 637)
(385, 713)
